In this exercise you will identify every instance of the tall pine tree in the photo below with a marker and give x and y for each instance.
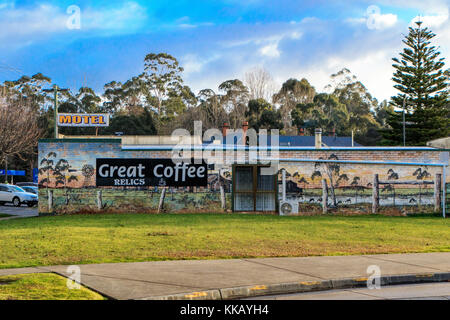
(423, 86)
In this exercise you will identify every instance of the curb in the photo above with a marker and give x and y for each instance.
(300, 287)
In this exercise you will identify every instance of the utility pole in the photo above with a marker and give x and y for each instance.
(404, 125)
(404, 129)
(56, 90)
(405, 104)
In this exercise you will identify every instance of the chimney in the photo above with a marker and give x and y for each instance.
(225, 128)
(301, 132)
(318, 134)
(244, 132)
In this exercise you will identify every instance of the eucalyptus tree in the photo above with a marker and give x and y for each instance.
(234, 100)
(324, 112)
(262, 115)
(161, 79)
(28, 90)
(292, 93)
(210, 110)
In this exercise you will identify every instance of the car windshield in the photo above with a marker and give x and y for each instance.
(16, 189)
(30, 189)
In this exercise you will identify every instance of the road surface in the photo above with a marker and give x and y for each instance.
(427, 291)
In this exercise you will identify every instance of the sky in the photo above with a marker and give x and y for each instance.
(91, 43)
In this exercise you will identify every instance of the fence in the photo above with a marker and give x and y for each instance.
(376, 191)
(143, 200)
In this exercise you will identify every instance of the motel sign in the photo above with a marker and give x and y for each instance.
(83, 120)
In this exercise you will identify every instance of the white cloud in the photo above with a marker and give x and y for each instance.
(191, 64)
(7, 4)
(373, 69)
(312, 49)
(383, 21)
(432, 21)
(129, 16)
(375, 21)
(271, 50)
(42, 19)
(22, 26)
(267, 45)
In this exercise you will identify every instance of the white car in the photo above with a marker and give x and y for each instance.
(16, 196)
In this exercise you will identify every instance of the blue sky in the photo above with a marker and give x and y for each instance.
(213, 40)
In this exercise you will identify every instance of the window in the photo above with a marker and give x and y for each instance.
(16, 189)
(253, 190)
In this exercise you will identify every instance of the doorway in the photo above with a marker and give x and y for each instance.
(254, 191)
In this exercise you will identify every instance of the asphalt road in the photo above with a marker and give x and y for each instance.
(22, 211)
(428, 291)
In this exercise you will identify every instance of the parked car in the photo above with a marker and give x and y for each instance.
(30, 189)
(26, 184)
(16, 195)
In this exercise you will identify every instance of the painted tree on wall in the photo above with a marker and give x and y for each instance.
(62, 171)
(47, 166)
(304, 182)
(355, 185)
(300, 180)
(421, 174)
(388, 188)
(392, 175)
(333, 171)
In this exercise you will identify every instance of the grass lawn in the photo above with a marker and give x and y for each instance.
(42, 286)
(80, 239)
(4, 215)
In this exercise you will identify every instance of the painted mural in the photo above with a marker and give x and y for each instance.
(68, 171)
(402, 189)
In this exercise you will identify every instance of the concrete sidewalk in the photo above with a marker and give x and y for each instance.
(241, 278)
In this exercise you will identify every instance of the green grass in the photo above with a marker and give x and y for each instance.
(42, 286)
(80, 239)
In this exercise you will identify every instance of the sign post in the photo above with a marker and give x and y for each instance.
(55, 90)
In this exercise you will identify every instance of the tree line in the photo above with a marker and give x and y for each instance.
(157, 101)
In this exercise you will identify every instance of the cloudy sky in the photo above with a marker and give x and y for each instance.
(213, 40)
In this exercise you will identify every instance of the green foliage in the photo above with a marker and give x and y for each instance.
(234, 100)
(261, 115)
(292, 93)
(423, 86)
(132, 124)
(161, 80)
(156, 101)
(349, 108)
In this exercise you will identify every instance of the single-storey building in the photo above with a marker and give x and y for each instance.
(138, 174)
